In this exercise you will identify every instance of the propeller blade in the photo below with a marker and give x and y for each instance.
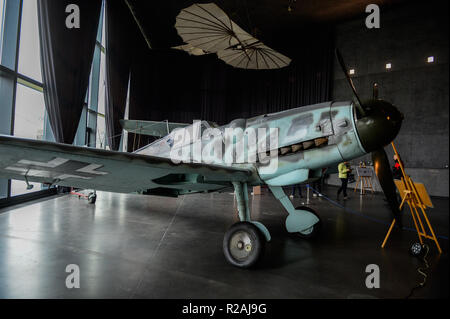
(349, 79)
(384, 174)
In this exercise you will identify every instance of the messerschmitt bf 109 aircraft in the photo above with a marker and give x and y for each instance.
(308, 139)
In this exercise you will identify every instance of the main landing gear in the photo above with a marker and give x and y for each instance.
(243, 243)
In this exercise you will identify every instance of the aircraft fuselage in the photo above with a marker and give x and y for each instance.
(308, 138)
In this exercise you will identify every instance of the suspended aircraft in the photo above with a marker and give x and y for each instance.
(206, 29)
(308, 139)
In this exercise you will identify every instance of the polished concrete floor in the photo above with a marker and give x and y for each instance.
(131, 246)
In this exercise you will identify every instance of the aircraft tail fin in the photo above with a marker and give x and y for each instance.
(152, 128)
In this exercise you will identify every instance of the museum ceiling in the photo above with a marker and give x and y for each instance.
(262, 18)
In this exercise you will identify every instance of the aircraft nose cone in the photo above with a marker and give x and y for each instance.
(380, 126)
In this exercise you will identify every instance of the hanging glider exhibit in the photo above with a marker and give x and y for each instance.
(307, 139)
(205, 28)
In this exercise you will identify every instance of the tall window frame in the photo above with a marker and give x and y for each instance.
(11, 12)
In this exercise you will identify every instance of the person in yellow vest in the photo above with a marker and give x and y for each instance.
(343, 170)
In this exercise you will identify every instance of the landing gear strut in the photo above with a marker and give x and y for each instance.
(244, 242)
(301, 220)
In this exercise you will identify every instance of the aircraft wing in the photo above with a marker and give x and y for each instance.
(152, 128)
(89, 168)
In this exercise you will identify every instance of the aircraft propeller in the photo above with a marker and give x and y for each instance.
(378, 124)
(349, 80)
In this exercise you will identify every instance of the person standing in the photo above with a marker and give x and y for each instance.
(343, 170)
(299, 191)
(317, 187)
(396, 170)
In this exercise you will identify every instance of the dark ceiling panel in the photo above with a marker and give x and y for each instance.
(265, 19)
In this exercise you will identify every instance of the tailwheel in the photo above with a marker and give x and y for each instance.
(92, 197)
(312, 231)
(243, 244)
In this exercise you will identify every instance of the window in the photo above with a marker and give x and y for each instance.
(28, 123)
(20, 187)
(101, 126)
(2, 9)
(101, 132)
(126, 117)
(22, 104)
(29, 113)
(103, 40)
(29, 50)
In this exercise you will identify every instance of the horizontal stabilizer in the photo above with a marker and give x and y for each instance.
(152, 128)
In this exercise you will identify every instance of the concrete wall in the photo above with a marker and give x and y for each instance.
(408, 35)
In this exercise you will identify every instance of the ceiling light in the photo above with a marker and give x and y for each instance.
(430, 59)
(388, 66)
(351, 71)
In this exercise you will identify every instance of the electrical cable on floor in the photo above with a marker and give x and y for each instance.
(421, 271)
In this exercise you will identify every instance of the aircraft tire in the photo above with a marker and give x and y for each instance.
(92, 198)
(243, 244)
(314, 230)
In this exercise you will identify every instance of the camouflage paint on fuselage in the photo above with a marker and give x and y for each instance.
(332, 122)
